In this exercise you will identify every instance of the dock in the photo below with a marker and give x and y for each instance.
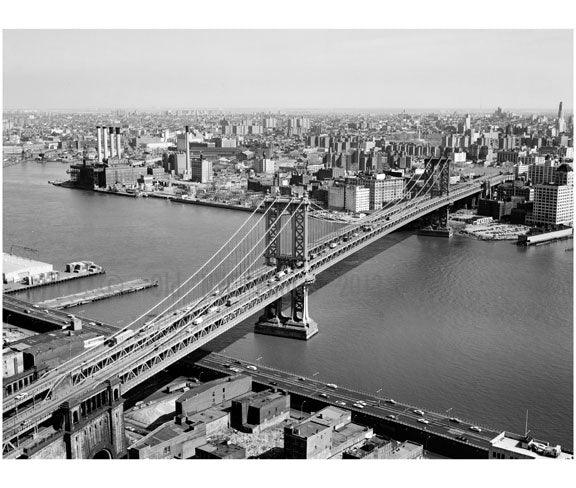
(62, 277)
(97, 294)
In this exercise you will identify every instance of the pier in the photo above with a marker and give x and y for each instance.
(63, 276)
(98, 294)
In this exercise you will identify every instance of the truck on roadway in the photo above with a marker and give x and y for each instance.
(120, 337)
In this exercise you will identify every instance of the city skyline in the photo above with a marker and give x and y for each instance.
(288, 69)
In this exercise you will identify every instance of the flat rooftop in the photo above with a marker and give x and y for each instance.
(403, 449)
(12, 263)
(212, 384)
(309, 428)
(167, 431)
(349, 430)
(514, 445)
(207, 416)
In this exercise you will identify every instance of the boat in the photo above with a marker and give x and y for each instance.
(439, 232)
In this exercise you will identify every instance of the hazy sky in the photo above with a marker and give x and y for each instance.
(74, 69)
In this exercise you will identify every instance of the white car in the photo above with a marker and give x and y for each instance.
(423, 421)
(338, 402)
(419, 412)
(253, 368)
(392, 401)
(333, 386)
(475, 429)
(358, 405)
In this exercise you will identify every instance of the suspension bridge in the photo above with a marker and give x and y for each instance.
(266, 266)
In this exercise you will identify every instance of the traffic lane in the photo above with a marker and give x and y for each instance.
(437, 422)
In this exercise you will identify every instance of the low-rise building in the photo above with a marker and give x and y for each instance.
(170, 440)
(258, 411)
(12, 362)
(513, 446)
(221, 450)
(212, 393)
(214, 419)
(17, 269)
(324, 435)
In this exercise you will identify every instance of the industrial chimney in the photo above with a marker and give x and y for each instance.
(111, 130)
(99, 147)
(105, 142)
(118, 143)
(187, 142)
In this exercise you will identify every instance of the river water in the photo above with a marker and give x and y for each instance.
(482, 328)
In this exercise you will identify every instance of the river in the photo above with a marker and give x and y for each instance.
(482, 328)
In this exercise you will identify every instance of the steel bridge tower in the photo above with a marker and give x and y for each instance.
(288, 250)
(438, 177)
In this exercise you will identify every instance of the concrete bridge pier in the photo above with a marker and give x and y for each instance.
(298, 326)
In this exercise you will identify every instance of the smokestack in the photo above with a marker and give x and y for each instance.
(111, 130)
(118, 143)
(105, 142)
(99, 147)
(187, 142)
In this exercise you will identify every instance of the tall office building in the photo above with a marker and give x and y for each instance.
(553, 205)
(336, 197)
(201, 170)
(263, 165)
(541, 173)
(382, 189)
(357, 198)
(560, 123)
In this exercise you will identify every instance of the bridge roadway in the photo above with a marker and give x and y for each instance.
(57, 318)
(384, 408)
(156, 346)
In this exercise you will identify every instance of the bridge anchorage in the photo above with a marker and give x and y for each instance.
(288, 249)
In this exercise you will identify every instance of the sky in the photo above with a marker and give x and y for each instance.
(292, 69)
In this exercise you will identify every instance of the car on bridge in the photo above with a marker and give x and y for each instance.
(323, 395)
(341, 403)
(393, 417)
(253, 368)
(455, 420)
(475, 429)
(392, 401)
(419, 412)
(358, 405)
(462, 438)
(423, 421)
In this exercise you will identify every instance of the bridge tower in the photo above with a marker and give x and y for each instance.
(86, 427)
(439, 186)
(288, 250)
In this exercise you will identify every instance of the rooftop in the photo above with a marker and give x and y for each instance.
(515, 443)
(12, 263)
(222, 449)
(167, 431)
(308, 428)
(211, 384)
